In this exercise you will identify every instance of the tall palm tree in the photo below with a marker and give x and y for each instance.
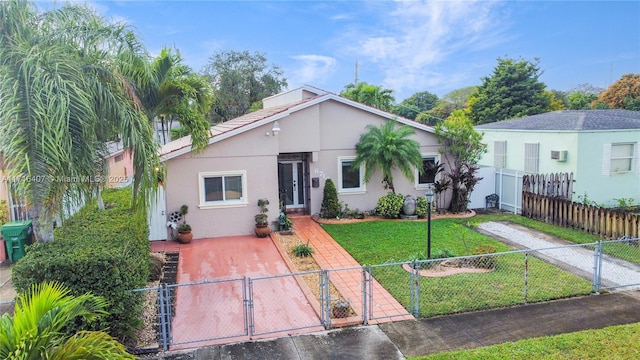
(386, 147)
(36, 330)
(66, 89)
(174, 92)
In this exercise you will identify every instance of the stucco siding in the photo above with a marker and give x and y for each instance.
(548, 140)
(604, 189)
(253, 152)
(324, 132)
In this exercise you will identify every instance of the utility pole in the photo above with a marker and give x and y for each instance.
(355, 81)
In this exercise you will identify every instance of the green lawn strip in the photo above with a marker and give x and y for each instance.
(395, 241)
(623, 251)
(615, 342)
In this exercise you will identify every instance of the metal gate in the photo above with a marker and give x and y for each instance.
(281, 303)
(618, 265)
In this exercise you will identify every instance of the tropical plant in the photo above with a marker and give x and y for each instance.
(371, 95)
(66, 88)
(330, 207)
(170, 91)
(386, 147)
(463, 147)
(36, 330)
(302, 250)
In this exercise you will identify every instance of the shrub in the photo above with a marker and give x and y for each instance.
(485, 262)
(444, 253)
(421, 207)
(302, 250)
(330, 207)
(390, 205)
(105, 252)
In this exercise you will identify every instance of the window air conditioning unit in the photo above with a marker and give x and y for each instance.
(560, 155)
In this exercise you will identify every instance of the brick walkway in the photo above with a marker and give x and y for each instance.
(331, 256)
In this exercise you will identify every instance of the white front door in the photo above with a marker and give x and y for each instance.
(158, 216)
(291, 183)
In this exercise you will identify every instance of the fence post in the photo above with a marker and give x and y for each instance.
(365, 318)
(245, 303)
(250, 307)
(163, 324)
(596, 267)
(526, 276)
(327, 308)
(416, 290)
(370, 292)
(168, 313)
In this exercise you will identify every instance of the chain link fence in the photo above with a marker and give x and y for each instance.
(247, 308)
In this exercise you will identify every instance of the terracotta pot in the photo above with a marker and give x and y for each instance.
(185, 237)
(262, 231)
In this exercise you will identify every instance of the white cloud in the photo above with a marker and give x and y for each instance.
(418, 37)
(313, 67)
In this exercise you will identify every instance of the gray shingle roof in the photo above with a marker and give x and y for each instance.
(572, 120)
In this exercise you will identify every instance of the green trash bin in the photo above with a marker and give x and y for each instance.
(16, 235)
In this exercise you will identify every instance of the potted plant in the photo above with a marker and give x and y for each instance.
(184, 230)
(262, 219)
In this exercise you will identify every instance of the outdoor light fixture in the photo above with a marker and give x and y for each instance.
(429, 196)
(276, 128)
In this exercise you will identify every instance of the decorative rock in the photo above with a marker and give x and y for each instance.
(409, 206)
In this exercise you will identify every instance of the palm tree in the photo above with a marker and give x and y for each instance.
(36, 330)
(66, 89)
(371, 95)
(387, 148)
(175, 92)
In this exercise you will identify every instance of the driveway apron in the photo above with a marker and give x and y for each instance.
(213, 306)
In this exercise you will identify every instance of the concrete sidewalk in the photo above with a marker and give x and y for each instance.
(401, 339)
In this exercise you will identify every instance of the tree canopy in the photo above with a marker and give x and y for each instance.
(417, 103)
(513, 90)
(371, 95)
(239, 79)
(385, 148)
(623, 94)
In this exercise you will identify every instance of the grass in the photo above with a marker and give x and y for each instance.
(615, 342)
(384, 243)
(619, 250)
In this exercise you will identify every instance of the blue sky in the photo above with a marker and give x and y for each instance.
(406, 46)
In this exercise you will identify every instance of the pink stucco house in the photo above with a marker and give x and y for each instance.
(288, 149)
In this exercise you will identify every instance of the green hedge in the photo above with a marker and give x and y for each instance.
(104, 252)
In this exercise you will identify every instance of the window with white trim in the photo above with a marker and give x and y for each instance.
(223, 188)
(428, 175)
(500, 154)
(531, 158)
(621, 158)
(350, 180)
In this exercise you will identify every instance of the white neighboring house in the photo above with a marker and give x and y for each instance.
(600, 147)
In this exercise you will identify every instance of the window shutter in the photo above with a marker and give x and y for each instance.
(606, 159)
(500, 154)
(636, 158)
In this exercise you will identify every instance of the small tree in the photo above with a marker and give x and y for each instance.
(330, 207)
(386, 147)
(463, 148)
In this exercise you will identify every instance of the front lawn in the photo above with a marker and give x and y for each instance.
(615, 342)
(379, 242)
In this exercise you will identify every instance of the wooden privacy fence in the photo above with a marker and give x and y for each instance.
(554, 185)
(607, 223)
